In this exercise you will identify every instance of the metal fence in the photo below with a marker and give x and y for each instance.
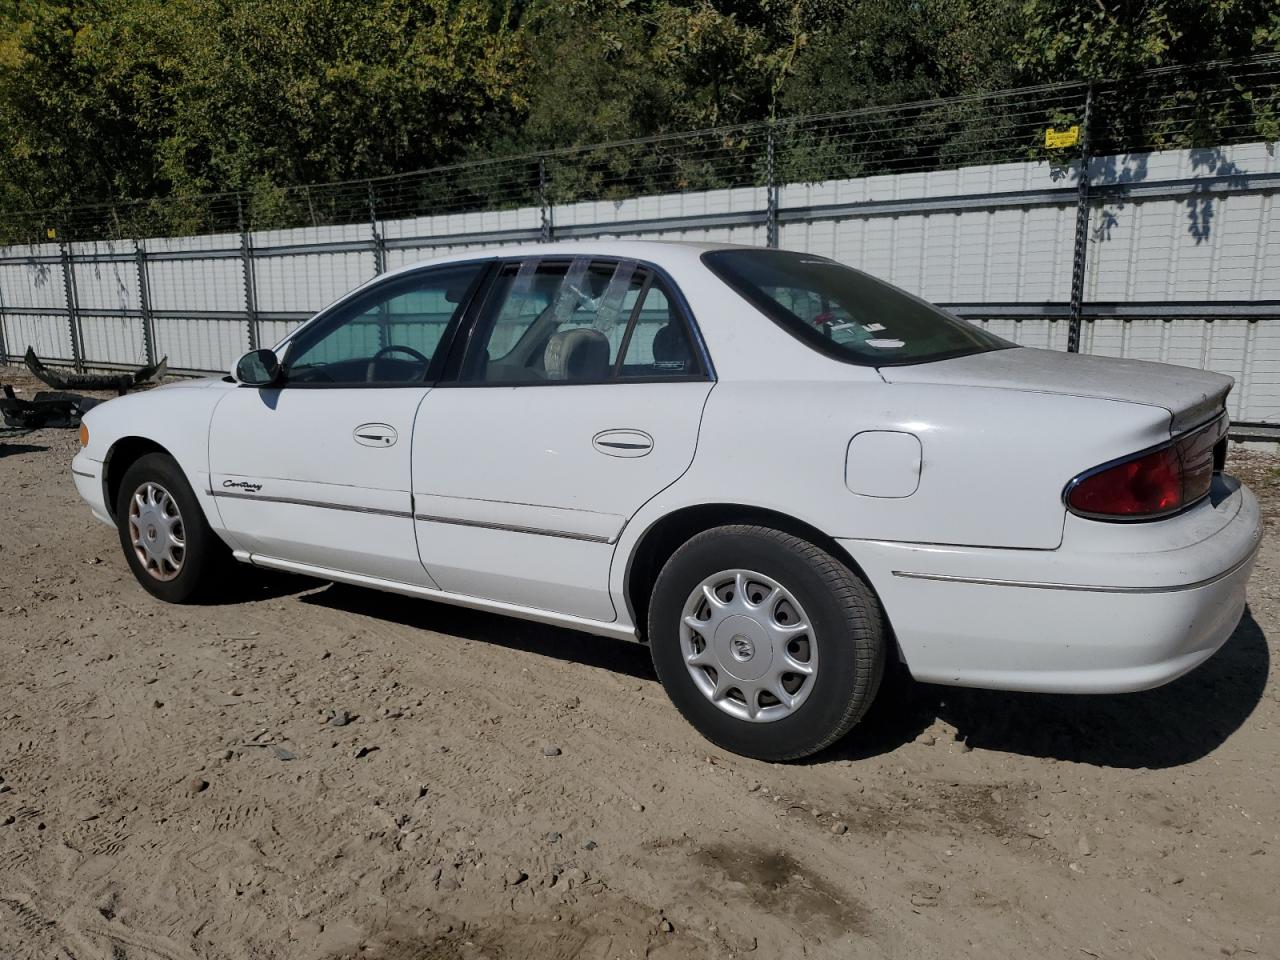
(1165, 247)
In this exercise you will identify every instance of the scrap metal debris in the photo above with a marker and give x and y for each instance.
(120, 382)
(45, 409)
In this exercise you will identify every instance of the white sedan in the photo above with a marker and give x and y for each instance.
(777, 471)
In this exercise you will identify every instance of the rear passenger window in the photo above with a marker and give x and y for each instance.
(659, 343)
(576, 321)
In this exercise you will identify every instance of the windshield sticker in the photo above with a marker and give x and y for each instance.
(885, 344)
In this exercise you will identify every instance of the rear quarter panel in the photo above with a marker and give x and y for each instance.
(994, 462)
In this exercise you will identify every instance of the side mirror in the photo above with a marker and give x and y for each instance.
(257, 368)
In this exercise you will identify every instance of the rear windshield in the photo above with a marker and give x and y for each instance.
(845, 313)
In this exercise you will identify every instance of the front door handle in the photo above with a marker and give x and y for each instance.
(375, 435)
(623, 443)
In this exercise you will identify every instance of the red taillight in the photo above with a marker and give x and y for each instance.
(1151, 484)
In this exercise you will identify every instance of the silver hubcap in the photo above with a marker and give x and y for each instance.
(155, 528)
(748, 645)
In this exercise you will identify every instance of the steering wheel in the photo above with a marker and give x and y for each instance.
(371, 369)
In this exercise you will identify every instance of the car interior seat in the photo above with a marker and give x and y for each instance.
(581, 353)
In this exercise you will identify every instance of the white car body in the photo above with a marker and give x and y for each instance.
(942, 482)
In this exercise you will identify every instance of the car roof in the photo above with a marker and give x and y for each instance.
(664, 253)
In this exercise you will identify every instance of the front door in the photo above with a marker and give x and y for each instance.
(317, 470)
(578, 398)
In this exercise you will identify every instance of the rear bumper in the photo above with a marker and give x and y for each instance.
(1116, 608)
(87, 475)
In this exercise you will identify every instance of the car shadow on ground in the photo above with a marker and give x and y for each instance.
(1166, 727)
(8, 449)
(605, 653)
(243, 584)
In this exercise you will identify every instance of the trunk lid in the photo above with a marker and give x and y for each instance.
(1191, 396)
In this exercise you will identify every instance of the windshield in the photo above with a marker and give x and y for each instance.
(845, 313)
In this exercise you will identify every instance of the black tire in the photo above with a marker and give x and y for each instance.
(850, 628)
(205, 560)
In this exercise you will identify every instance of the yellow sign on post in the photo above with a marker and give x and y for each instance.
(1056, 139)
(51, 233)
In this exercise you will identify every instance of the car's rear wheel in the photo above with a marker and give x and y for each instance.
(168, 543)
(767, 644)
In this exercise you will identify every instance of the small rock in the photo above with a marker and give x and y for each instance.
(235, 692)
(1084, 847)
(5, 788)
(340, 719)
(196, 785)
(1075, 867)
(551, 750)
(514, 877)
(8, 820)
(839, 829)
(665, 926)
(325, 655)
(590, 845)
(283, 753)
(157, 704)
(1174, 879)
(364, 751)
(553, 837)
(997, 796)
(638, 807)
(926, 739)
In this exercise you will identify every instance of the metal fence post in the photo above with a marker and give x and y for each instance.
(4, 351)
(73, 306)
(546, 233)
(1081, 255)
(771, 191)
(250, 284)
(379, 245)
(144, 302)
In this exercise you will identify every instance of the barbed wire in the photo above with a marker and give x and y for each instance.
(1213, 104)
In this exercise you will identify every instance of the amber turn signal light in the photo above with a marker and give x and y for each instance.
(84, 435)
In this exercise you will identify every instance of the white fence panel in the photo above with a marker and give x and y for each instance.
(50, 336)
(201, 344)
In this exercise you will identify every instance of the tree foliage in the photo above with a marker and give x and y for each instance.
(102, 100)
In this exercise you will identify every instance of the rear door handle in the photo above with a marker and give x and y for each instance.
(375, 435)
(623, 443)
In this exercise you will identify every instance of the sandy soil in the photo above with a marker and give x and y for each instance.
(180, 783)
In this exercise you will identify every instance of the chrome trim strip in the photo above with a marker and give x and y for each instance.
(402, 514)
(514, 528)
(1088, 588)
(81, 473)
(618, 629)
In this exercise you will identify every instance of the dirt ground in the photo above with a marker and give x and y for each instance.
(315, 771)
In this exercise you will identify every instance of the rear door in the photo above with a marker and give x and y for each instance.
(317, 470)
(577, 399)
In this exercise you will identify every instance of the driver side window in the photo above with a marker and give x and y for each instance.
(388, 335)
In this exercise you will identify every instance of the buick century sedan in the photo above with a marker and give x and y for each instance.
(777, 471)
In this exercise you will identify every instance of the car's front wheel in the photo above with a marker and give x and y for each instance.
(167, 541)
(767, 644)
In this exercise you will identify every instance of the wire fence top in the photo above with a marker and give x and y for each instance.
(1212, 104)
